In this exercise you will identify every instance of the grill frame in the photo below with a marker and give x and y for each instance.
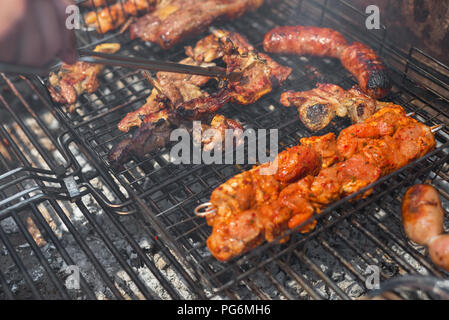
(408, 69)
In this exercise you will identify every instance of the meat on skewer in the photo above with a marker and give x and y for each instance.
(238, 229)
(115, 15)
(362, 62)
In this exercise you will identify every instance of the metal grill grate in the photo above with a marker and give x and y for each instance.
(43, 234)
(331, 262)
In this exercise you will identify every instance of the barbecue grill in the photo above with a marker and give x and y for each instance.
(132, 233)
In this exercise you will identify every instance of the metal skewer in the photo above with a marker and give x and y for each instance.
(204, 210)
(437, 128)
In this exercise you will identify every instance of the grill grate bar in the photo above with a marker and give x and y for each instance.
(54, 279)
(107, 241)
(311, 265)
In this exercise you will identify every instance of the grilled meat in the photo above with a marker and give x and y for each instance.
(179, 96)
(319, 106)
(155, 133)
(72, 80)
(423, 220)
(422, 213)
(260, 73)
(96, 3)
(176, 20)
(115, 15)
(362, 62)
(299, 200)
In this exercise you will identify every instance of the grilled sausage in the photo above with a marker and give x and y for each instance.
(422, 214)
(369, 70)
(362, 62)
(302, 40)
(439, 250)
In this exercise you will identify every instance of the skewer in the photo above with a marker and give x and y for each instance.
(437, 128)
(207, 207)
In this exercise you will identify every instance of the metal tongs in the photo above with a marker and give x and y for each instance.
(154, 65)
(132, 63)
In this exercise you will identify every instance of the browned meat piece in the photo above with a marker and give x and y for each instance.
(177, 20)
(220, 124)
(362, 62)
(154, 133)
(72, 80)
(318, 107)
(260, 73)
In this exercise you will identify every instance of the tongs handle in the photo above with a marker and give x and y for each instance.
(154, 65)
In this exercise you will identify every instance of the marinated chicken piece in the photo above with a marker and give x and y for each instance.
(325, 146)
(72, 80)
(115, 15)
(236, 236)
(384, 123)
(296, 162)
(177, 20)
(295, 197)
(261, 74)
(242, 192)
(319, 106)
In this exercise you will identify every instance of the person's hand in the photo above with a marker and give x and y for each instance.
(33, 32)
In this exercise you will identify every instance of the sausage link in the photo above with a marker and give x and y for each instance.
(361, 61)
(369, 70)
(439, 251)
(422, 213)
(304, 40)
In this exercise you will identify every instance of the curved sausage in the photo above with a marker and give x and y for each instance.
(304, 40)
(422, 213)
(362, 62)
